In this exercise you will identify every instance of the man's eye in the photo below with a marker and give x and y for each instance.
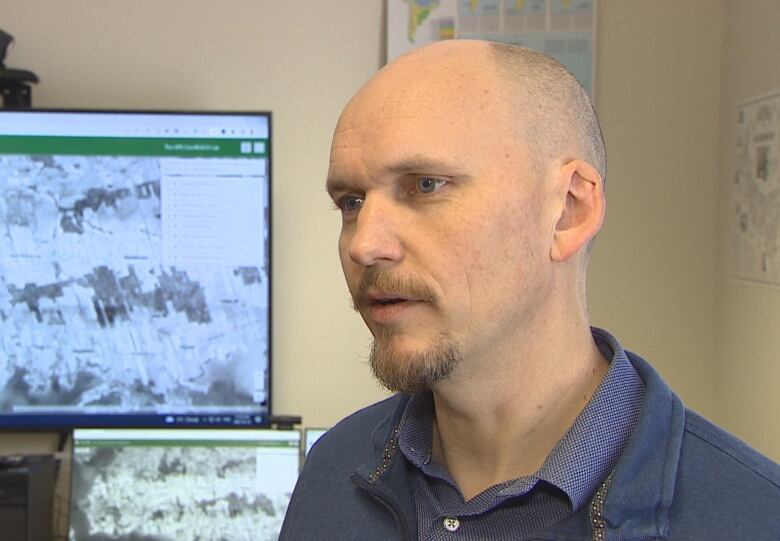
(429, 184)
(350, 203)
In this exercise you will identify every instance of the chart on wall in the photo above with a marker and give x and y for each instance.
(564, 29)
(757, 190)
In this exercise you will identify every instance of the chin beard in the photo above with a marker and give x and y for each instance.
(415, 371)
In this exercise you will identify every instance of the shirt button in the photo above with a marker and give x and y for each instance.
(451, 524)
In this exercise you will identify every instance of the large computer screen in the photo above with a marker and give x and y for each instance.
(181, 484)
(134, 268)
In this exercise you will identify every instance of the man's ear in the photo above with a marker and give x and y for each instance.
(582, 213)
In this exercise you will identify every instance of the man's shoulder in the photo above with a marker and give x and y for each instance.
(372, 415)
(710, 445)
(325, 493)
(704, 444)
(699, 481)
(714, 444)
(725, 489)
(359, 433)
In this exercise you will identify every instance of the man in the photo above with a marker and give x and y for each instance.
(470, 179)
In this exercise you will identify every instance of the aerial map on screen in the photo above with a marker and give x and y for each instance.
(195, 490)
(132, 284)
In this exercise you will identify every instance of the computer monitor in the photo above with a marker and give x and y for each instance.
(181, 484)
(134, 269)
(310, 437)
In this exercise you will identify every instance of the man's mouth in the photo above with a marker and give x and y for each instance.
(385, 309)
(380, 290)
(386, 302)
(378, 297)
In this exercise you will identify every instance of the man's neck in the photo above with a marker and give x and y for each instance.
(501, 424)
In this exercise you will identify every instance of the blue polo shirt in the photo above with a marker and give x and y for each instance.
(571, 474)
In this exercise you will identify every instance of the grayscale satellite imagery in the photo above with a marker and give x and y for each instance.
(175, 494)
(92, 317)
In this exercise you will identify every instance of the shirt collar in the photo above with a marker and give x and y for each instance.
(585, 455)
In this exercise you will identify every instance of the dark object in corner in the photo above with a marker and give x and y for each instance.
(14, 83)
(284, 422)
(26, 497)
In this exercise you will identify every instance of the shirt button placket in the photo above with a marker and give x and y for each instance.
(451, 524)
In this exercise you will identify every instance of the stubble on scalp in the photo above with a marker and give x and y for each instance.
(553, 113)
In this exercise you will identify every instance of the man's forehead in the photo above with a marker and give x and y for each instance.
(388, 143)
(437, 80)
(440, 104)
(377, 134)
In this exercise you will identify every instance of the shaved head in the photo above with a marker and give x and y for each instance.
(554, 113)
(550, 112)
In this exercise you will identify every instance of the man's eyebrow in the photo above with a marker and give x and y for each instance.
(419, 164)
(334, 185)
(413, 164)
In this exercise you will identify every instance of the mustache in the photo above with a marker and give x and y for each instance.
(386, 281)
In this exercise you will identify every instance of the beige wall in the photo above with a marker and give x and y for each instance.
(660, 73)
(652, 274)
(747, 332)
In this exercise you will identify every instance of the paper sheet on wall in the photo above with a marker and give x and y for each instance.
(757, 190)
(564, 29)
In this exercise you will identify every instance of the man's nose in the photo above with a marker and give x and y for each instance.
(375, 238)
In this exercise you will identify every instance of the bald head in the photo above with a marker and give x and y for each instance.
(442, 78)
(540, 100)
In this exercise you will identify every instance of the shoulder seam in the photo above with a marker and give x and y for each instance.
(728, 452)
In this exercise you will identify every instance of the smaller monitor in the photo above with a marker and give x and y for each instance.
(180, 484)
(310, 436)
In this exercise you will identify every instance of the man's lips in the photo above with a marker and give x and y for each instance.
(382, 298)
(380, 288)
(384, 307)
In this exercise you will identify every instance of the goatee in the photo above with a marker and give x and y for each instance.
(415, 371)
(404, 372)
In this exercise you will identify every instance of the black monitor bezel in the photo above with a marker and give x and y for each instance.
(66, 427)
